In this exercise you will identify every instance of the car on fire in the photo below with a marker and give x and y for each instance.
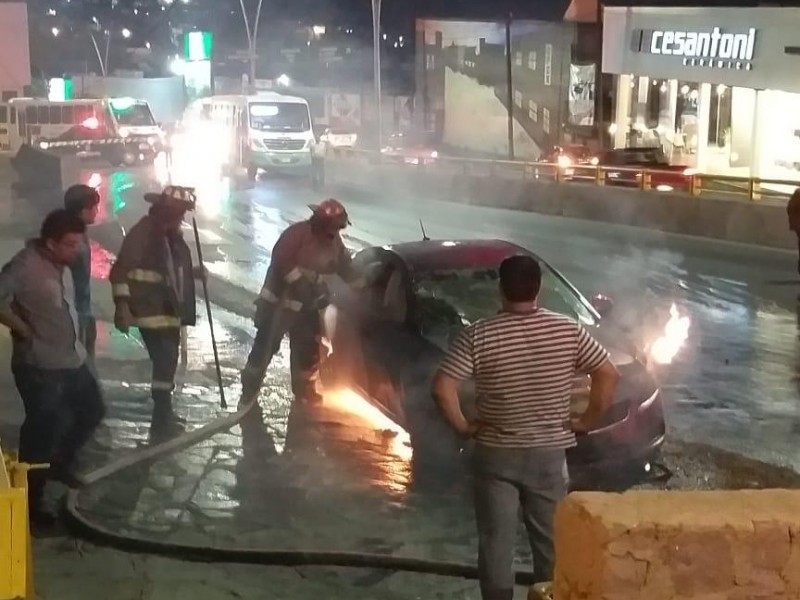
(391, 336)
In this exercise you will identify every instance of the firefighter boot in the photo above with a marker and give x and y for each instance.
(164, 420)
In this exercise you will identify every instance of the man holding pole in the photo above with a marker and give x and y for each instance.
(153, 286)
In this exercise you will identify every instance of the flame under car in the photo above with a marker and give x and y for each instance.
(391, 336)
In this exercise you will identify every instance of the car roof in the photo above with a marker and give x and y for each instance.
(443, 255)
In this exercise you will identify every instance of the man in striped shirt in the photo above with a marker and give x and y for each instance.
(524, 362)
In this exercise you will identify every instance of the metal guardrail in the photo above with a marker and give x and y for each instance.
(658, 180)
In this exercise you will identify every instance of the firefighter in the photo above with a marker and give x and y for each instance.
(293, 295)
(153, 286)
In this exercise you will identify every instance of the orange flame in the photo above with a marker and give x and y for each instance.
(351, 402)
(676, 332)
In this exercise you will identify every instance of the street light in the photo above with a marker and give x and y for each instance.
(376, 50)
(284, 80)
(252, 38)
(55, 31)
(126, 33)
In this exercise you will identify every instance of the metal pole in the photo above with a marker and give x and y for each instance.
(510, 90)
(108, 45)
(208, 312)
(254, 51)
(376, 51)
(249, 43)
(99, 57)
(599, 100)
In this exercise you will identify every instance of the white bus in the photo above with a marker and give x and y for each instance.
(32, 120)
(268, 131)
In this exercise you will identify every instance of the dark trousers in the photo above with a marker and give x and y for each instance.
(63, 407)
(304, 339)
(534, 479)
(163, 346)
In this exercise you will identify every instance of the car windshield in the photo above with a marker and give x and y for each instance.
(279, 116)
(133, 114)
(448, 301)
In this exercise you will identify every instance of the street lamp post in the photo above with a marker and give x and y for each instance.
(376, 41)
(252, 38)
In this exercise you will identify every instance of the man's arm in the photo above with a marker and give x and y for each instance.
(9, 281)
(594, 360)
(457, 366)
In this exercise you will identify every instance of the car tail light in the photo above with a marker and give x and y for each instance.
(564, 161)
(594, 161)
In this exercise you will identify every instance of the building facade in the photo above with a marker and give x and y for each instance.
(717, 88)
(462, 85)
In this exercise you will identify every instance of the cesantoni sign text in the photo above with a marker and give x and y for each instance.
(714, 49)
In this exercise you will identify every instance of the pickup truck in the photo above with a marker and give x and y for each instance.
(664, 176)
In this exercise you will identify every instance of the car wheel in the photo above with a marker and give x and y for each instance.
(252, 172)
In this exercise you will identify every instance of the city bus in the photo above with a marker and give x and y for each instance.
(266, 131)
(46, 123)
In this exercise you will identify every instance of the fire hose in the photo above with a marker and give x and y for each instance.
(83, 526)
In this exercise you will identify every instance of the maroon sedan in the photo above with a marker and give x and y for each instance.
(392, 336)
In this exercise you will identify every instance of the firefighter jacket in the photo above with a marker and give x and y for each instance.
(300, 261)
(154, 273)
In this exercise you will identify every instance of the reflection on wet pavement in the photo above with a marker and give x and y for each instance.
(339, 477)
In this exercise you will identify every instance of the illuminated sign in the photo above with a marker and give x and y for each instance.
(198, 45)
(713, 49)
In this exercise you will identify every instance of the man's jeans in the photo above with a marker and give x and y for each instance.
(63, 407)
(534, 479)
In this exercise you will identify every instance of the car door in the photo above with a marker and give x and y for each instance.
(368, 345)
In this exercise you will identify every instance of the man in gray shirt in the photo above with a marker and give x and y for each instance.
(62, 400)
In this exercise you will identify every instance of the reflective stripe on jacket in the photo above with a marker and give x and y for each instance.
(141, 274)
(299, 259)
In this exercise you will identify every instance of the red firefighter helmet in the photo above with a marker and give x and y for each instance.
(331, 212)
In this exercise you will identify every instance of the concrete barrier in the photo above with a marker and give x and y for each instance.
(678, 546)
(702, 216)
(42, 170)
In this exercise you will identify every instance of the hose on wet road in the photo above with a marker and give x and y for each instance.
(83, 525)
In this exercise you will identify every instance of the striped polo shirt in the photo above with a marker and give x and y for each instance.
(524, 366)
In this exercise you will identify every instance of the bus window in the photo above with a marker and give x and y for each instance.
(30, 115)
(55, 115)
(12, 114)
(4, 114)
(44, 115)
(68, 112)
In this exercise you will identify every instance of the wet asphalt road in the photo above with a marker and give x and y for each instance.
(333, 479)
(735, 382)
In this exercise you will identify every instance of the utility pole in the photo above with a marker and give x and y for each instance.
(510, 89)
(252, 39)
(376, 59)
(599, 110)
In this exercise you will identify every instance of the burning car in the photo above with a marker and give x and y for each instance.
(390, 338)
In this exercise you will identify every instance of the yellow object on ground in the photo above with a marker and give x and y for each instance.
(16, 560)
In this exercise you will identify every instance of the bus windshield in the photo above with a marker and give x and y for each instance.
(132, 114)
(279, 116)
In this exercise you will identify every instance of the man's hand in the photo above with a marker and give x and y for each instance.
(22, 330)
(123, 318)
(578, 425)
(471, 430)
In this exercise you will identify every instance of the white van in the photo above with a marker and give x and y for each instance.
(267, 131)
